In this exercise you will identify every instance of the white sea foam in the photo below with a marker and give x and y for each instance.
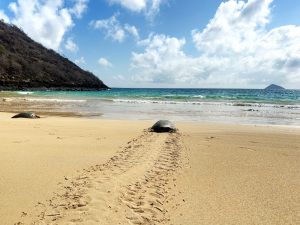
(140, 101)
(177, 96)
(25, 92)
(152, 101)
(236, 104)
(198, 96)
(53, 100)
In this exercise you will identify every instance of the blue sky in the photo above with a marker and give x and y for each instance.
(170, 43)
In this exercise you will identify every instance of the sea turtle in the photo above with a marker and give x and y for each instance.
(29, 115)
(163, 126)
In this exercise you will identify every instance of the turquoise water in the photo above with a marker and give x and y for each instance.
(181, 95)
(205, 105)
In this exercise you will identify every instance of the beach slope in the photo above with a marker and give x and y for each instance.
(82, 171)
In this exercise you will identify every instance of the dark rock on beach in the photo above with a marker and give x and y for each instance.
(251, 110)
(27, 65)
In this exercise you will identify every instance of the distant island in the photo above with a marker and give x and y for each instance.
(27, 65)
(274, 87)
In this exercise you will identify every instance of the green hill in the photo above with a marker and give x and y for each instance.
(27, 65)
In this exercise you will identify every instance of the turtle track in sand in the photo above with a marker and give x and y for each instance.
(132, 187)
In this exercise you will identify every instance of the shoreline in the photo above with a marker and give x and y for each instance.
(217, 106)
(45, 115)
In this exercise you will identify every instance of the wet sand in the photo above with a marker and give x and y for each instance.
(58, 170)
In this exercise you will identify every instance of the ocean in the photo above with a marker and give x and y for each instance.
(241, 106)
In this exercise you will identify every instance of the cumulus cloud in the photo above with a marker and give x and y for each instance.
(149, 7)
(104, 62)
(235, 50)
(235, 25)
(46, 21)
(164, 62)
(4, 17)
(114, 29)
(71, 45)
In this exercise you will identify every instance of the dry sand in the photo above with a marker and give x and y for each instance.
(82, 171)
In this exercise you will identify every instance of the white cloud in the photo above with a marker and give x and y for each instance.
(114, 29)
(46, 21)
(80, 61)
(235, 25)
(4, 17)
(235, 50)
(104, 62)
(71, 45)
(133, 5)
(163, 61)
(79, 8)
(149, 7)
(132, 30)
(153, 8)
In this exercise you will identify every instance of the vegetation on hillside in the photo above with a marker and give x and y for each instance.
(26, 64)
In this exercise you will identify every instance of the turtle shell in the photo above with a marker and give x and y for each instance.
(29, 115)
(163, 126)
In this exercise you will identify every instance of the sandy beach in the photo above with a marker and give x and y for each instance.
(63, 170)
